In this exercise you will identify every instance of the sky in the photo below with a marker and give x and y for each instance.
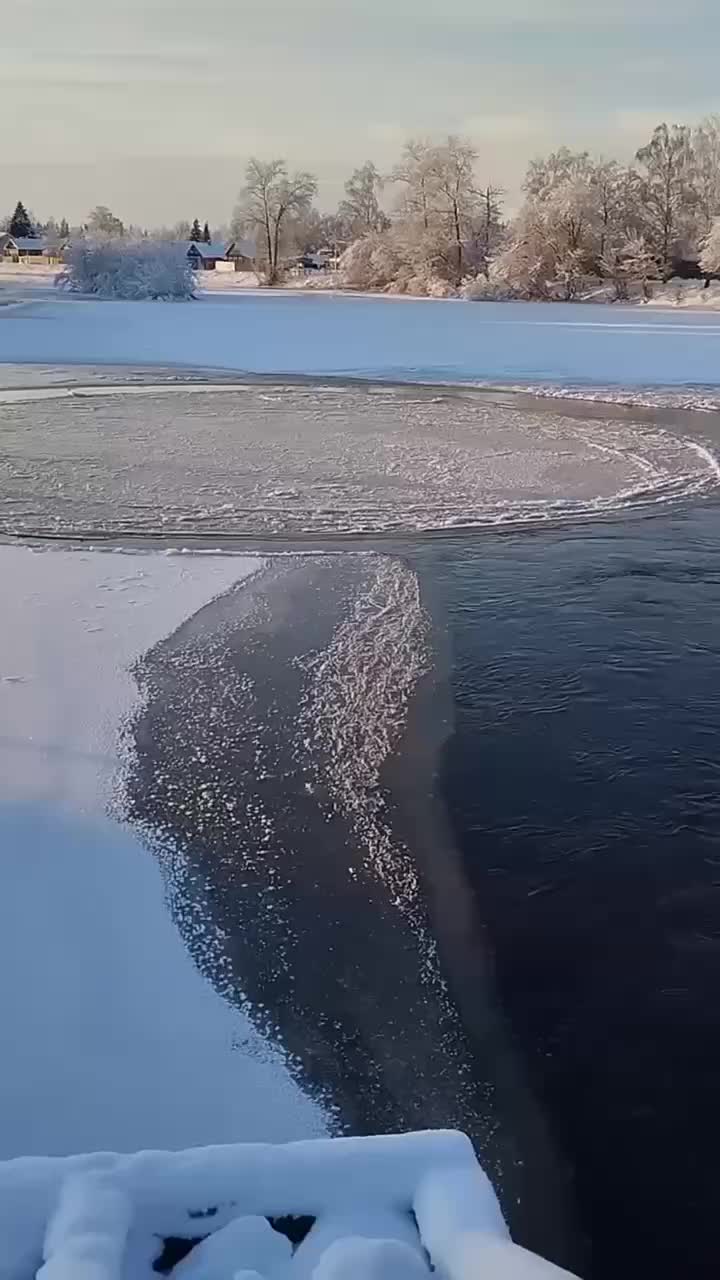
(154, 106)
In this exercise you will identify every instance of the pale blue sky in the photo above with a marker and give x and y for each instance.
(152, 106)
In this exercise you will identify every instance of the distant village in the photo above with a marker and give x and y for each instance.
(25, 243)
(28, 243)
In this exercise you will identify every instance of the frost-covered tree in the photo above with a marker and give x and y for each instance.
(706, 172)
(566, 193)
(271, 198)
(371, 262)
(489, 231)
(627, 262)
(311, 231)
(64, 229)
(416, 173)
(101, 222)
(710, 252)
(388, 260)
(454, 223)
(554, 237)
(545, 174)
(20, 224)
(528, 263)
(641, 262)
(578, 218)
(457, 197)
(116, 268)
(195, 233)
(360, 213)
(617, 197)
(668, 193)
(570, 213)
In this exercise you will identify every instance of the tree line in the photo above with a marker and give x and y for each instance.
(581, 216)
(101, 222)
(433, 224)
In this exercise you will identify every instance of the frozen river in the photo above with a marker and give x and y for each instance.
(527, 343)
(438, 814)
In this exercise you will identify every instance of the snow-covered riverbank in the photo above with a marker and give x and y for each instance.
(112, 1038)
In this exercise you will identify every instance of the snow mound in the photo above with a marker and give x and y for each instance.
(383, 1208)
(250, 1243)
(357, 1259)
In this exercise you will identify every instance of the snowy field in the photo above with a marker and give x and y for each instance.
(112, 1039)
(375, 337)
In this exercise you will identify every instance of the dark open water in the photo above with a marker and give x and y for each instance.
(582, 785)
(556, 791)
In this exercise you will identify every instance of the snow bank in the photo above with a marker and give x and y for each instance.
(686, 293)
(383, 1206)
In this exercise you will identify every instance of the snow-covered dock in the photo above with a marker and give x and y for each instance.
(377, 1208)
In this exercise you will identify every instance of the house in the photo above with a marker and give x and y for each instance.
(322, 260)
(21, 247)
(242, 253)
(238, 255)
(205, 257)
(30, 249)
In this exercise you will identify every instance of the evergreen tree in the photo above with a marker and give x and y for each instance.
(207, 238)
(20, 224)
(64, 229)
(196, 233)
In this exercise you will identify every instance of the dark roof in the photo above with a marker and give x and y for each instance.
(242, 248)
(26, 243)
(215, 250)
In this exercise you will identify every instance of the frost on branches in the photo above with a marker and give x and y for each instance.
(710, 254)
(136, 269)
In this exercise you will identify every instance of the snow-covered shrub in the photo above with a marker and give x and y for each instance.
(129, 269)
(490, 288)
(630, 266)
(437, 288)
(421, 282)
(529, 259)
(373, 262)
(387, 261)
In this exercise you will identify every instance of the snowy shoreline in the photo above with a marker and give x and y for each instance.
(111, 1007)
(676, 294)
